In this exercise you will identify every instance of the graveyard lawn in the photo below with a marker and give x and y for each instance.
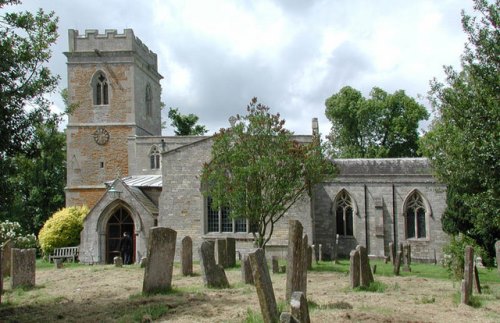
(101, 293)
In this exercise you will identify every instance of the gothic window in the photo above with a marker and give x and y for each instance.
(415, 211)
(149, 101)
(220, 221)
(344, 213)
(154, 158)
(100, 88)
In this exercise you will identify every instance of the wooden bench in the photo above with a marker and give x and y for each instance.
(64, 253)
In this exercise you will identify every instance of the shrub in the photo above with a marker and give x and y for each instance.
(454, 255)
(12, 231)
(62, 229)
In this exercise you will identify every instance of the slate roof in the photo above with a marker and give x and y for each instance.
(141, 181)
(383, 166)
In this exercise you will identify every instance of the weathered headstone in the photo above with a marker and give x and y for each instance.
(364, 265)
(320, 252)
(160, 264)
(305, 263)
(118, 261)
(335, 249)
(468, 273)
(300, 309)
(275, 264)
(497, 250)
(230, 252)
(477, 283)
(309, 258)
(246, 270)
(187, 256)
(286, 317)
(392, 253)
(314, 253)
(406, 257)
(464, 294)
(354, 268)
(22, 270)
(213, 274)
(264, 286)
(6, 257)
(295, 262)
(220, 249)
(397, 264)
(58, 263)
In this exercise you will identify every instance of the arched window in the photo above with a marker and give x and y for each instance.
(344, 214)
(154, 158)
(416, 210)
(100, 88)
(149, 101)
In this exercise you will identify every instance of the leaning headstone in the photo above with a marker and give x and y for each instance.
(118, 261)
(220, 249)
(364, 267)
(22, 270)
(406, 257)
(299, 307)
(230, 252)
(246, 270)
(497, 250)
(213, 274)
(187, 256)
(354, 268)
(295, 262)
(392, 253)
(6, 257)
(468, 272)
(303, 284)
(397, 264)
(309, 258)
(264, 286)
(160, 264)
(477, 283)
(275, 264)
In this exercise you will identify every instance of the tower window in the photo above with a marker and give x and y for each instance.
(154, 158)
(101, 91)
(149, 101)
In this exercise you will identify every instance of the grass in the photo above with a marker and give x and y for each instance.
(374, 287)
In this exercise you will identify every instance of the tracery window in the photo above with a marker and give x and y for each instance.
(415, 216)
(154, 157)
(219, 220)
(344, 214)
(100, 88)
(149, 101)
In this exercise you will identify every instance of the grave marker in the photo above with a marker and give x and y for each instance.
(354, 268)
(300, 309)
(22, 271)
(246, 270)
(264, 286)
(213, 274)
(295, 261)
(187, 256)
(6, 257)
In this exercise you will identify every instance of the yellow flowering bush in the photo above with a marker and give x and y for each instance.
(62, 229)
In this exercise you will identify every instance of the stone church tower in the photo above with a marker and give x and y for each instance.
(114, 84)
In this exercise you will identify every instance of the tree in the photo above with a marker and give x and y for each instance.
(25, 41)
(185, 125)
(464, 141)
(259, 171)
(384, 125)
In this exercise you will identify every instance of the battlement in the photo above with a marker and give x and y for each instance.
(109, 41)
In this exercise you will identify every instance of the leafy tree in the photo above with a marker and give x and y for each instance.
(464, 140)
(185, 125)
(384, 125)
(259, 171)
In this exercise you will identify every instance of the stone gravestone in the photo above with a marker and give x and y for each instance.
(118, 261)
(264, 286)
(6, 257)
(392, 253)
(300, 309)
(286, 317)
(364, 267)
(309, 258)
(230, 252)
(246, 270)
(303, 283)
(477, 283)
(58, 263)
(22, 270)
(187, 256)
(335, 249)
(397, 263)
(497, 250)
(467, 282)
(275, 264)
(407, 257)
(221, 249)
(160, 264)
(295, 262)
(354, 268)
(320, 252)
(315, 253)
(213, 274)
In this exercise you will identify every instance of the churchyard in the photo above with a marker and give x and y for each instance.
(105, 293)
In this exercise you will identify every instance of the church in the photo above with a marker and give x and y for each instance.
(132, 178)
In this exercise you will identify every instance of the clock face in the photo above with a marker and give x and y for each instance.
(101, 136)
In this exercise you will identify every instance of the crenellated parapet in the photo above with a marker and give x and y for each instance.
(109, 41)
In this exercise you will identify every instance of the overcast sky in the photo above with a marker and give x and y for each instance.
(291, 54)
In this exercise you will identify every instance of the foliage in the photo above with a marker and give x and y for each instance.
(454, 259)
(185, 125)
(25, 41)
(384, 125)
(464, 141)
(62, 229)
(12, 231)
(374, 287)
(259, 171)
